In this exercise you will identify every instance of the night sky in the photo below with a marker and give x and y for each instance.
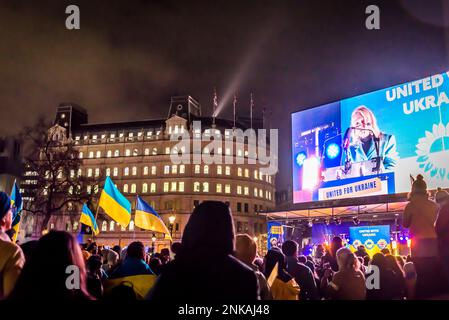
(130, 56)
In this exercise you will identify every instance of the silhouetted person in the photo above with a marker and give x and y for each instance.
(204, 269)
(45, 277)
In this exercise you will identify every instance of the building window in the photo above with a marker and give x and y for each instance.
(89, 189)
(173, 186)
(206, 150)
(134, 171)
(109, 154)
(80, 155)
(153, 187)
(131, 225)
(239, 189)
(91, 154)
(126, 171)
(256, 174)
(98, 154)
(245, 207)
(181, 186)
(256, 208)
(111, 226)
(153, 170)
(205, 186)
(227, 188)
(239, 207)
(260, 193)
(115, 172)
(133, 188)
(127, 153)
(196, 186)
(206, 169)
(182, 168)
(104, 226)
(147, 151)
(97, 172)
(135, 152)
(145, 188)
(239, 172)
(239, 153)
(89, 172)
(166, 169)
(125, 188)
(228, 151)
(219, 150)
(219, 188)
(145, 170)
(256, 192)
(80, 172)
(228, 170)
(246, 173)
(167, 150)
(197, 168)
(219, 170)
(166, 186)
(174, 169)
(72, 173)
(260, 175)
(154, 151)
(116, 153)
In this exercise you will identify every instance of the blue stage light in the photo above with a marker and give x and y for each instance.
(332, 150)
(300, 157)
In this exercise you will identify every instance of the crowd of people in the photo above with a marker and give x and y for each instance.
(212, 263)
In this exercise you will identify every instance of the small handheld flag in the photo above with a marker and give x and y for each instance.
(17, 205)
(88, 219)
(114, 203)
(148, 219)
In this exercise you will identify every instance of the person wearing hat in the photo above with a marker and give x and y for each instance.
(442, 230)
(419, 217)
(11, 256)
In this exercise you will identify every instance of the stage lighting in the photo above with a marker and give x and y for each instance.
(327, 222)
(332, 150)
(311, 173)
(300, 157)
(337, 221)
(310, 223)
(356, 221)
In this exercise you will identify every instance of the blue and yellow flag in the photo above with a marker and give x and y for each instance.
(88, 219)
(114, 203)
(17, 206)
(148, 219)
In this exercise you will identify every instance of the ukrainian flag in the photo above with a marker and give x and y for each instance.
(17, 205)
(88, 219)
(114, 203)
(148, 219)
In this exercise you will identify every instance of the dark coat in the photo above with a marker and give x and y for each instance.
(204, 268)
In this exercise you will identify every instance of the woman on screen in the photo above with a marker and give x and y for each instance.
(364, 134)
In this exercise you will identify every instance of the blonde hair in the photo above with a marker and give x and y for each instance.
(245, 248)
(365, 112)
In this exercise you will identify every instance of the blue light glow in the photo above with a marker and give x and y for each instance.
(332, 150)
(300, 157)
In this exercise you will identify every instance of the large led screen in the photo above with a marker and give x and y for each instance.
(373, 144)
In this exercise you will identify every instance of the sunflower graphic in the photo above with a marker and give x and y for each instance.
(431, 151)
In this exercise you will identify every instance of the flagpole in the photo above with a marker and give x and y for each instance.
(251, 110)
(234, 105)
(215, 105)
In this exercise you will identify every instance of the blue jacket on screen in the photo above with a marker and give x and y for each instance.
(387, 151)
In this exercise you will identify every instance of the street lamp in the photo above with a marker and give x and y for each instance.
(153, 242)
(171, 221)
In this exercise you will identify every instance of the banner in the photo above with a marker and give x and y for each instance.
(275, 234)
(374, 238)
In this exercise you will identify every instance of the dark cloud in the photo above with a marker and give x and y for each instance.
(130, 56)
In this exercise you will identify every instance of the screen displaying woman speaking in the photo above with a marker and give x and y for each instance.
(371, 144)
